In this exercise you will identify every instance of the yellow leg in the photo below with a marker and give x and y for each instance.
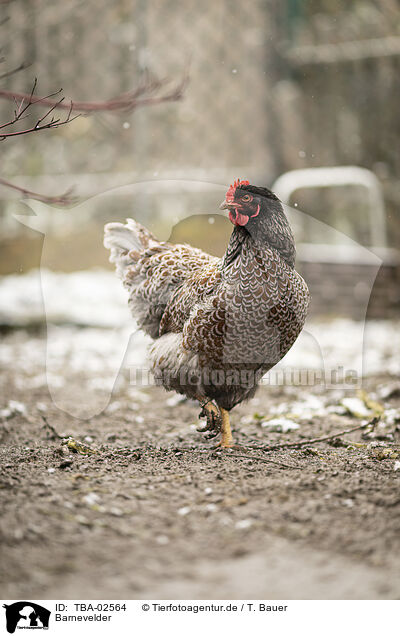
(226, 433)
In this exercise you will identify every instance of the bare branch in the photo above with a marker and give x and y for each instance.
(65, 199)
(143, 95)
(324, 438)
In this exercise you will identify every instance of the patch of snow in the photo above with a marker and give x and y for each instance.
(280, 425)
(13, 408)
(90, 297)
(92, 338)
(356, 407)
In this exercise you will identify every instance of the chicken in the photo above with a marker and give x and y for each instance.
(218, 325)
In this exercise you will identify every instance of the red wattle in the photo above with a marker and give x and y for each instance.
(240, 219)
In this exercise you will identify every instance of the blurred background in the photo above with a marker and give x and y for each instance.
(273, 88)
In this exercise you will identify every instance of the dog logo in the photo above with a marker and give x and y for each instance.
(26, 615)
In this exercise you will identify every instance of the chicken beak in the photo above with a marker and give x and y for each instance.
(226, 206)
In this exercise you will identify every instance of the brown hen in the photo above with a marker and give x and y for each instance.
(218, 324)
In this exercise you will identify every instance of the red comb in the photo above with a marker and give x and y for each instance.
(236, 184)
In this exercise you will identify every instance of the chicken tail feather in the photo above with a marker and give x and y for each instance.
(126, 243)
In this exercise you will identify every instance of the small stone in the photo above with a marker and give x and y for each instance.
(243, 524)
(91, 499)
(184, 511)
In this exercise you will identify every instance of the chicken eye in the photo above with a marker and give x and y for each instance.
(246, 197)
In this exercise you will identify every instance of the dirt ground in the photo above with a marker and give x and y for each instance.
(157, 512)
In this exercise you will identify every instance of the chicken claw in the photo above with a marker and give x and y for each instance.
(214, 420)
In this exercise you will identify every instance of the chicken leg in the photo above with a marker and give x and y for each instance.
(226, 433)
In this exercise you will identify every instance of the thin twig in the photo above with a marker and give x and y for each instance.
(39, 125)
(64, 199)
(51, 427)
(316, 440)
(207, 451)
(264, 460)
(21, 67)
(21, 107)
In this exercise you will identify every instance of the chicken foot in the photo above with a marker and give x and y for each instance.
(217, 422)
(214, 420)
